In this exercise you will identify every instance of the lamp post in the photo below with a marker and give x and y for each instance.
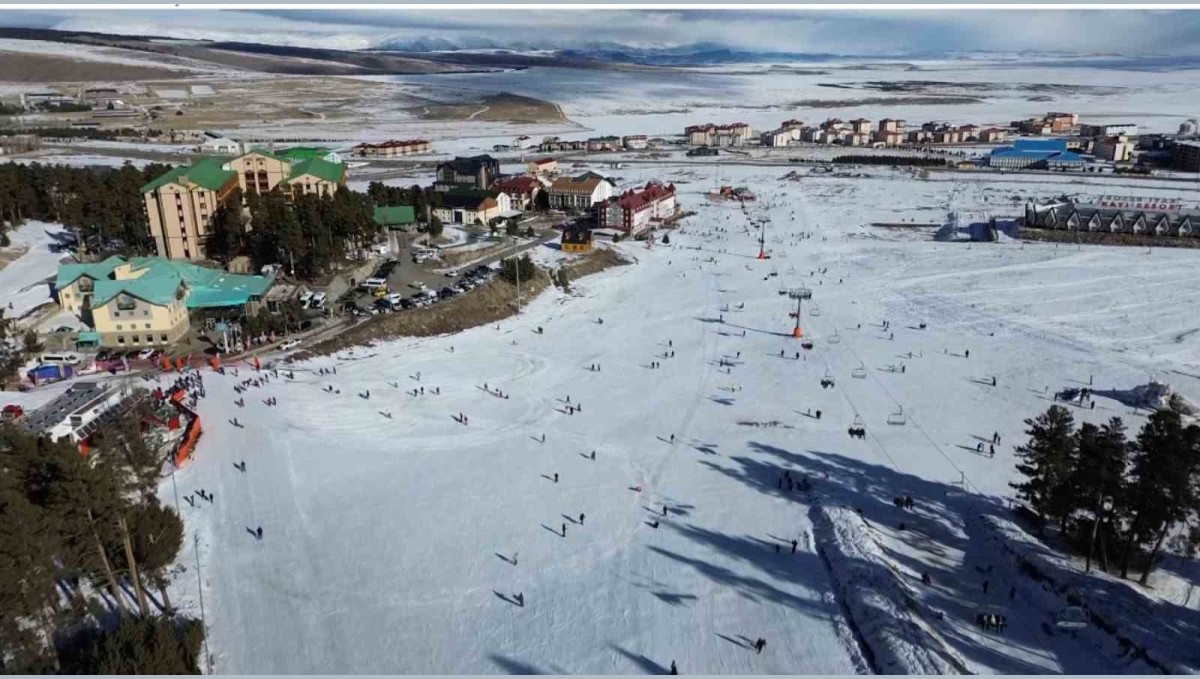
(799, 294)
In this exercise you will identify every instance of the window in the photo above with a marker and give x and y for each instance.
(145, 312)
(134, 340)
(116, 314)
(126, 303)
(164, 339)
(118, 326)
(147, 326)
(120, 339)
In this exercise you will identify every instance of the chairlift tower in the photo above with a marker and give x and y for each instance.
(762, 237)
(799, 294)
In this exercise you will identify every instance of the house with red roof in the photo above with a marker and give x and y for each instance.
(636, 211)
(521, 191)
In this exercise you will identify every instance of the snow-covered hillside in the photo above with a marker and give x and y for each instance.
(396, 537)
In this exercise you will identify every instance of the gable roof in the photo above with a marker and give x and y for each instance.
(69, 273)
(582, 184)
(517, 185)
(296, 154)
(206, 173)
(395, 214)
(156, 281)
(319, 168)
(468, 199)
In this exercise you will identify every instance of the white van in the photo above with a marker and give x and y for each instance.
(60, 359)
(305, 299)
(372, 284)
(318, 300)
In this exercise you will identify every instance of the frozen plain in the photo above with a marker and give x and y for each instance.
(390, 528)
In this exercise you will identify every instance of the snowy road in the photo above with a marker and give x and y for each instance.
(390, 529)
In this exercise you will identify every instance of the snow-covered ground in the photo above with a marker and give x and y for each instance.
(395, 537)
(25, 282)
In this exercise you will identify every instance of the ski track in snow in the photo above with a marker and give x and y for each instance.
(387, 542)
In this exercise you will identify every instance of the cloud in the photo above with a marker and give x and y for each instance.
(868, 33)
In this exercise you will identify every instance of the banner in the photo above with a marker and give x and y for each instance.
(1146, 203)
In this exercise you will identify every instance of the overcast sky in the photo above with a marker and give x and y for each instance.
(847, 32)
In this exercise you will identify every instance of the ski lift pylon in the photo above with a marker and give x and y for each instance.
(898, 417)
(860, 372)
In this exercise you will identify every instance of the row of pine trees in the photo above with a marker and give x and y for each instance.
(86, 552)
(1112, 496)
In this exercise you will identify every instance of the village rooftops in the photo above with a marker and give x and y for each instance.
(516, 185)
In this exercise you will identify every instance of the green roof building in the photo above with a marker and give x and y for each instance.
(146, 301)
(395, 216)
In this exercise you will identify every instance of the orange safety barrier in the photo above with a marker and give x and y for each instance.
(166, 363)
(179, 363)
(190, 437)
(215, 363)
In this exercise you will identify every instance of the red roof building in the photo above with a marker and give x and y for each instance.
(521, 190)
(636, 211)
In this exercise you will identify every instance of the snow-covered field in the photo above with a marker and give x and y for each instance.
(396, 538)
(25, 281)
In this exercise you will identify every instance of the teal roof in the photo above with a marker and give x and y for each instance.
(206, 172)
(323, 169)
(160, 280)
(395, 214)
(69, 273)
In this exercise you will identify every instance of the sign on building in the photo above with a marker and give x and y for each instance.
(1146, 203)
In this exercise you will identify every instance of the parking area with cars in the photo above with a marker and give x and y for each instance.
(385, 291)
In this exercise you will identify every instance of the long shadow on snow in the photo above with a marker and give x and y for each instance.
(512, 666)
(838, 479)
(647, 665)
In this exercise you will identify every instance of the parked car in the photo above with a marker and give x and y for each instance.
(418, 285)
(451, 274)
(447, 293)
(147, 354)
(289, 345)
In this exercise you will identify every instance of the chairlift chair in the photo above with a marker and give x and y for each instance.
(828, 375)
(898, 417)
(834, 338)
(858, 421)
(1072, 617)
(860, 372)
(814, 311)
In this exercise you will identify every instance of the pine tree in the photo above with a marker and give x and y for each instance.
(1099, 475)
(1046, 463)
(1162, 487)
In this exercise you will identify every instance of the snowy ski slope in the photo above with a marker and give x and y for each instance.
(391, 529)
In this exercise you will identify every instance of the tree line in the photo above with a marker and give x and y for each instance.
(83, 132)
(307, 234)
(86, 550)
(1108, 494)
(869, 159)
(104, 206)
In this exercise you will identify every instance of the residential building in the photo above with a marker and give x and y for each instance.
(391, 148)
(396, 216)
(636, 211)
(215, 144)
(472, 206)
(1110, 130)
(1036, 154)
(145, 301)
(576, 240)
(891, 125)
(315, 176)
(776, 138)
(476, 171)
(19, 143)
(792, 124)
(921, 136)
(30, 100)
(889, 137)
(521, 191)
(734, 134)
(993, 135)
(1117, 149)
(968, 133)
(1185, 156)
(1061, 122)
(601, 144)
(857, 138)
(634, 142)
(542, 166)
(579, 193)
(860, 126)
(180, 205)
